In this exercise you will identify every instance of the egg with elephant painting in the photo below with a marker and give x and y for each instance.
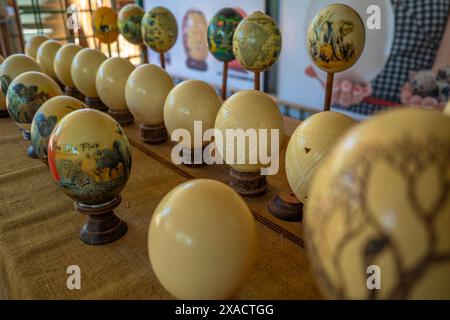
(89, 156)
(46, 118)
(104, 24)
(129, 23)
(15, 65)
(378, 212)
(27, 93)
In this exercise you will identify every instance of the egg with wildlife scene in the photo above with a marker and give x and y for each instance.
(84, 69)
(27, 93)
(104, 25)
(159, 29)
(63, 63)
(146, 91)
(247, 110)
(220, 33)
(257, 42)
(379, 209)
(309, 145)
(202, 241)
(46, 57)
(89, 156)
(129, 23)
(335, 38)
(46, 118)
(15, 65)
(33, 44)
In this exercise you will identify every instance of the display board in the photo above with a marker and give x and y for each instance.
(190, 57)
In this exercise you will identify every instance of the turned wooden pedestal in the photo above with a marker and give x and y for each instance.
(124, 117)
(153, 134)
(102, 225)
(95, 103)
(73, 92)
(248, 183)
(286, 206)
(190, 159)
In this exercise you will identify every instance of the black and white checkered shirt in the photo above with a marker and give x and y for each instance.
(419, 28)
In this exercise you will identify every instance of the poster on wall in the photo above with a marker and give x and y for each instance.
(189, 57)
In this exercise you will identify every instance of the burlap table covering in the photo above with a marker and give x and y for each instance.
(39, 238)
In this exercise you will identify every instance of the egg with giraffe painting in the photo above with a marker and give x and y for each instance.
(89, 156)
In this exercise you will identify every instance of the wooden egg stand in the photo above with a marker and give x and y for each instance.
(286, 205)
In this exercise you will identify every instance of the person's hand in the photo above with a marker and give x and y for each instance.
(410, 99)
(345, 93)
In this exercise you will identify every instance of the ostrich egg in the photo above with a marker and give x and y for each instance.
(146, 91)
(84, 70)
(248, 110)
(27, 93)
(159, 29)
(104, 24)
(63, 62)
(129, 23)
(202, 241)
(46, 56)
(46, 118)
(32, 45)
(89, 156)
(378, 212)
(110, 82)
(15, 65)
(191, 100)
(308, 146)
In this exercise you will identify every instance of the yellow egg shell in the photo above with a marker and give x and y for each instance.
(15, 65)
(46, 118)
(32, 45)
(146, 92)
(84, 70)
(104, 24)
(110, 82)
(63, 62)
(202, 241)
(248, 109)
(46, 56)
(191, 100)
(309, 144)
(336, 38)
(379, 209)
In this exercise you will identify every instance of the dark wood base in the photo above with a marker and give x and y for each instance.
(102, 225)
(248, 183)
(4, 114)
(73, 92)
(124, 117)
(153, 134)
(95, 103)
(31, 153)
(286, 206)
(188, 156)
(60, 84)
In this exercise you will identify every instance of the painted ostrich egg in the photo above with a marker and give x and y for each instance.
(254, 110)
(89, 156)
(15, 65)
(129, 23)
(104, 24)
(32, 45)
(27, 93)
(46, 118)
(110, 82)
(309, 145)
(159, 29)
(257, 42)
(84, 70)
(46, 56)
(220, 33)
(335, 38)
(202, 247)
(63, 62)
(191, 100)
(146, 91)
(378, 212)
